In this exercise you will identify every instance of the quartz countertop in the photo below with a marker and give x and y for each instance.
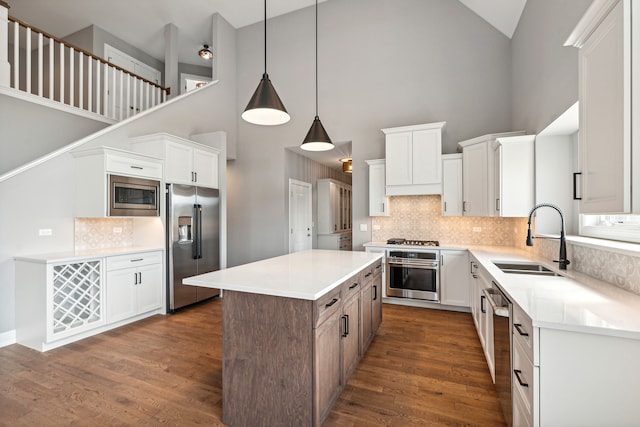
(302, 275)
(72, 256)
(572, 301)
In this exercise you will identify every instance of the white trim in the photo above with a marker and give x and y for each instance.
(86, 139)
(412, 128)
(594, 15)
(308, 186)
(7, 338)
(185, 76)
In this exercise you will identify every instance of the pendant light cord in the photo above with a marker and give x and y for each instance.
(265, 37)
(316, 58)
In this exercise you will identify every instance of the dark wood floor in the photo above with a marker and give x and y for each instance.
(425, 367)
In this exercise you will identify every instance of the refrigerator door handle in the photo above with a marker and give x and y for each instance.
(199, 231)
(196, 231)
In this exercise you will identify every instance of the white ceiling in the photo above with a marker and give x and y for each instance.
(141, 22)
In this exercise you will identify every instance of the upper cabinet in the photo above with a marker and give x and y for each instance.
(186, 162)
(334, 206)
(414, 159)
(486, 166)
(378, 200)
(452, 185)
(607, 117)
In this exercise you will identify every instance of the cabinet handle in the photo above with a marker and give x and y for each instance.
(136, 167)
(196, 175)
(353, 286)
(375, 292)
(378, 266)
(464, 206)
(575, 185)
(518, 372)
(135, 278)
(333, 301)
(137, 260)
(498, 204)
(470, 267)
(140, 278)
(445, 206)
(475, 276)
(441, 260)
(482, 309)
(521, 331)
(367, 275)
(382, 207)
(345, 325)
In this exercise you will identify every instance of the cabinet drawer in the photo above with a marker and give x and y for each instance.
(133, 260)
(132, 166)
(523, 331)
(522, 376)
(521, 416)
(327, 305)
(351, 286)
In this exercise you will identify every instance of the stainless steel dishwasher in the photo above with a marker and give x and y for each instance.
(502, 319)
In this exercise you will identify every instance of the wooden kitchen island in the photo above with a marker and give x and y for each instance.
(294, 329)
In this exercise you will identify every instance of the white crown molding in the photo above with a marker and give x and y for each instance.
(594, 15)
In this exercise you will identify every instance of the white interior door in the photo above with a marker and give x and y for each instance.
(300, 219)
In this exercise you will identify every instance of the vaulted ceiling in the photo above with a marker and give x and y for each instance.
(141, 22)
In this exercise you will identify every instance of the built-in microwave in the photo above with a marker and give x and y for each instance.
(130, 196)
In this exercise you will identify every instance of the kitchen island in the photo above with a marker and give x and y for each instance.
(294, 329)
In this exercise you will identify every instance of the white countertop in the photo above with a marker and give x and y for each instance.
(72, 256)
(303, 275)
(574, 301)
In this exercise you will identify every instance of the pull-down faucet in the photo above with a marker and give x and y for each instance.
(562, 259)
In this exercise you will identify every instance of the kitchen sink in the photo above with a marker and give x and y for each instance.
(525, 268)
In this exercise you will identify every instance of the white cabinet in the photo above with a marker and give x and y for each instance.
(134, 285)
(514, 176)
(452, 185)
(378, 200)
(334, 206)
(92, 167)
(186, 162)
(335, 241)
(454, 278)
(57, 302)
(414, 159)
(608, 95)
(479, 174)
(482, 312)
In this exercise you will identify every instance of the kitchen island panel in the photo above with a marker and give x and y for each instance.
(267, 360)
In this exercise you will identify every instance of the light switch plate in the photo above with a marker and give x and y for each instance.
(45, 232)
(363, 227)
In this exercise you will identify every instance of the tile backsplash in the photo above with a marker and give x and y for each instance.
(420, 218)
(103, 233)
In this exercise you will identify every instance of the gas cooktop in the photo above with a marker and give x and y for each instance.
(406, 242)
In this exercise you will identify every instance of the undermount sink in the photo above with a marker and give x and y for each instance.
(525, 268)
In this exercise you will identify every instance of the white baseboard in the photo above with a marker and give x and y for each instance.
(7, 338)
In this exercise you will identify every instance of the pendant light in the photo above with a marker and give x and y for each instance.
(265, 106)
(317, 138)
(205, 52)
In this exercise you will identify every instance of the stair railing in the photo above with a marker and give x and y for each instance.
(49, 67)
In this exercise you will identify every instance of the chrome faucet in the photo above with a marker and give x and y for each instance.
(562, 259)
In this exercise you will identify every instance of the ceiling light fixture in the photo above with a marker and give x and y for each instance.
(265, 106)
(347, 165)
(317, 138)
(205, 52)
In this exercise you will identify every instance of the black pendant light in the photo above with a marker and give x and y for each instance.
(265, 106)
(317, 138)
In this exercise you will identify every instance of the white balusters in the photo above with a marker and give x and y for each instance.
(40, 62)
(28, 68)
(72, 81)
(61, 73)
(16, 55)
(126, 102)
(90, 84)
(51, 66)
(105, 90)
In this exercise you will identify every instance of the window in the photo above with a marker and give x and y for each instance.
(625, 228)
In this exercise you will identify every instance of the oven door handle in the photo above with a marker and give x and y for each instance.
(424, 266)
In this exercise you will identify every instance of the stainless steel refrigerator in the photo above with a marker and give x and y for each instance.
(193, 241)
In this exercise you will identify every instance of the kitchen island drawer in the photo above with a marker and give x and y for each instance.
(327, 305)
(118, 262)
(523, 376)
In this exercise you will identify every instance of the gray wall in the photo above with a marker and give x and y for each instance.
(381, 64)
(544, 72)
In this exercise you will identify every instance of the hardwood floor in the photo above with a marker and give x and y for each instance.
(425, 367)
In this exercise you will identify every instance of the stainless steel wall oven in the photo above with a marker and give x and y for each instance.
(413, 274)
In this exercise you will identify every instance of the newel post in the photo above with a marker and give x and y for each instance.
(5, 69)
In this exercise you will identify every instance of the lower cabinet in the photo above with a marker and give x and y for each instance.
(335, 241)
(134, 285)
(351, 334)
(328, 378)
(58, 302)
(454, 278)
